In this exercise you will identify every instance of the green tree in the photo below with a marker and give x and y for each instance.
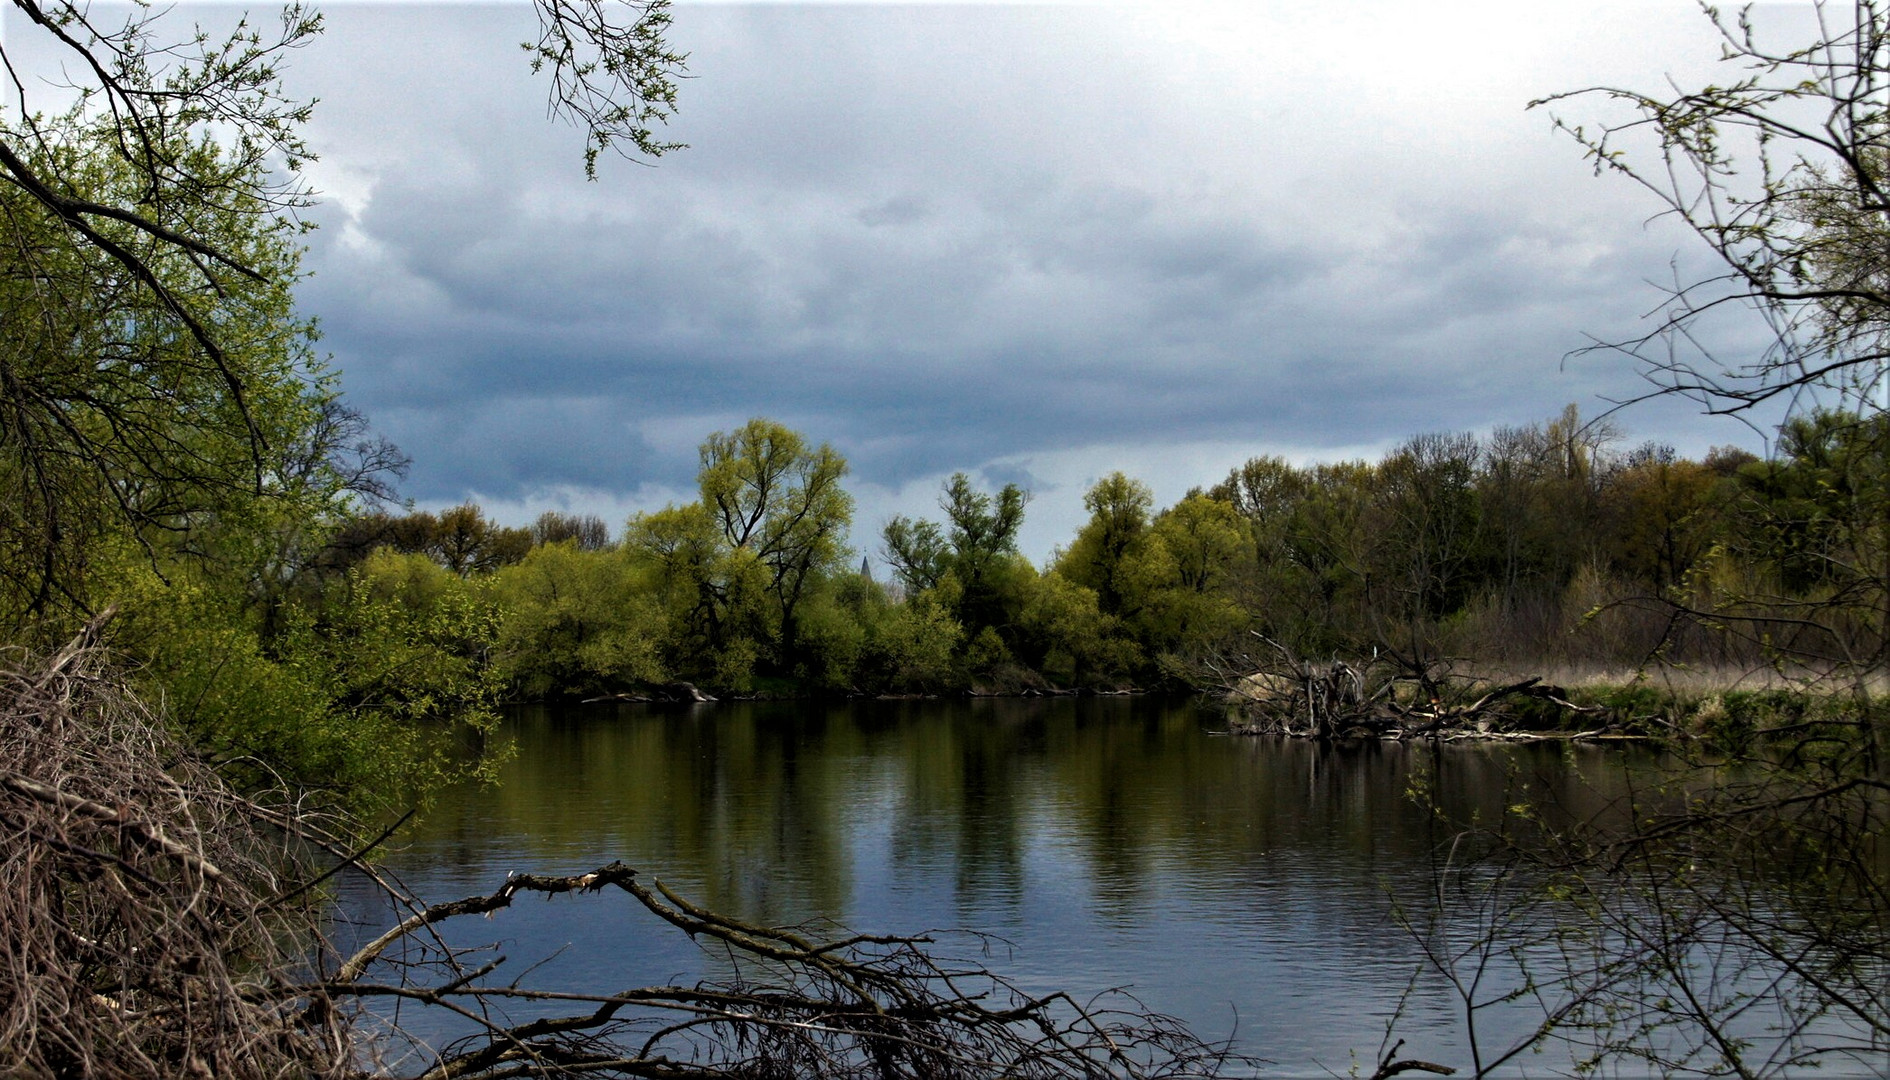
(711, 597)
(917, 552)
(1200, 552)
(578, 621)
(1061, 631)
(1312, 541)
(736, 567)
(1112, 538)
(971, 558)
(364, 700)
(149, 248)
(112, 422)
(983, 526)
(857, 638)
(780, 501)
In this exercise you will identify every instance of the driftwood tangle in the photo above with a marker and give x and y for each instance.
(1393, 697)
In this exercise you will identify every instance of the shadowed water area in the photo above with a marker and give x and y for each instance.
(1241, 884)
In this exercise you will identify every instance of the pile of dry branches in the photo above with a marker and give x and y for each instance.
(1390, 696)
(158, 924)
(145, 923)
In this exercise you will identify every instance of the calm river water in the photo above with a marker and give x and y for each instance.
(1241, 884)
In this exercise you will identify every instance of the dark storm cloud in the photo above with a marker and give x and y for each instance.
(936, 236)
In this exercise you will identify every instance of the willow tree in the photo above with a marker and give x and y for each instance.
(779, 501)
(972, 553)
(1099, 557)
(736, 566)
(118, 424)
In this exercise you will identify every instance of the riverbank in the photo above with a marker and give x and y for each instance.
(685, 693)
(1723, 708)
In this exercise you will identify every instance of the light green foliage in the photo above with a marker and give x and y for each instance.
(1780, 170)
(172, 446)
(680, 541)
(578, 622)
(1197, 552)
(712, 597)
(982, 525)
(734, 665)
(779, 501)
(910, 647)
(1164, 587)
(1071, 641)
(614, 75)
(835, 622)
(408, 650)
(856, 638)
(371, 700)
(1207, 540)
(116, 421)
(983, 533)
(735, 568)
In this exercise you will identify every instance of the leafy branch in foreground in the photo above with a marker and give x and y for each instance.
(154, 375)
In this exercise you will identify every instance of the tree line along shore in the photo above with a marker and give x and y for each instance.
(1558, 548)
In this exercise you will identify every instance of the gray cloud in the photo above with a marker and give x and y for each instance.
(939, 237)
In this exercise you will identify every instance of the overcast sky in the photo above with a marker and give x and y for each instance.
(1034, 243)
